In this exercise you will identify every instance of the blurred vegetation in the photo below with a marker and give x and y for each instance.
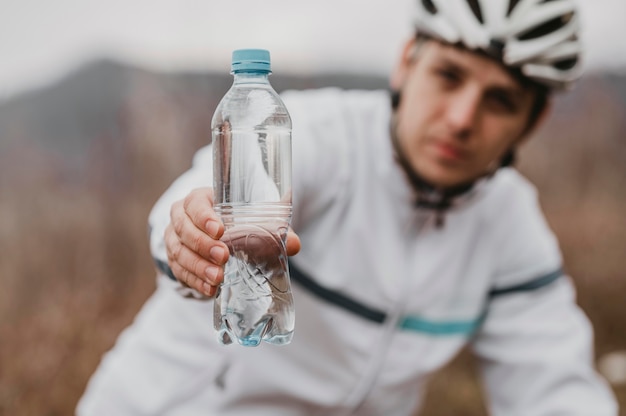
(82, 162)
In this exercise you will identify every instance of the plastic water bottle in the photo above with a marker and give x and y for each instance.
(251, 132)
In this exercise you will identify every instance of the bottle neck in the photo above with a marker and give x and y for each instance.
(255, 77)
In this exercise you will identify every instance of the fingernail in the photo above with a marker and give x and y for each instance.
(212, 227)
(218, 254)
(211, 273)
(208, 289)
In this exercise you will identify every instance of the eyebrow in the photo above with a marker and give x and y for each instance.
(513, 88)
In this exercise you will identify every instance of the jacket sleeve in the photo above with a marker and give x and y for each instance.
(535, 346)
(535, 349)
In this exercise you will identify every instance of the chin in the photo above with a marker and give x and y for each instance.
(441, 178)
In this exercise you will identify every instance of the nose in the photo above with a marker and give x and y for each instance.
(462, 112)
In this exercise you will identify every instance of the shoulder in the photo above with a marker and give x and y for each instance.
(333, 118)
(333, 121)
(333, 96)
(511, 199)
(524, 244)
(326, 104)
(509, 186)
(331, 131)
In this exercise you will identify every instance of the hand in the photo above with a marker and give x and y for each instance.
(192, 239)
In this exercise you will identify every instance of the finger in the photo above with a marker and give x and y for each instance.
(240, 235)
(198, 206)
(194, 238)
(293, 243)
(189, 279)
(179, 254)
(177, 216)
(201, 243)
(211, 273)
(198, 280)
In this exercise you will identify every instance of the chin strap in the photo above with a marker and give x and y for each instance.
(428, 196)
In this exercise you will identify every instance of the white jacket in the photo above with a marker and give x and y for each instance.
(383, 296)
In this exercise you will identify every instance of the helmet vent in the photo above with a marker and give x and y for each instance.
(546, 28)
(566, 64)
(429, 6)
(475, 6)
(496, 48)
(512, 5)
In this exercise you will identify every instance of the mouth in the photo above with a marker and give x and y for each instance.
(450, 152)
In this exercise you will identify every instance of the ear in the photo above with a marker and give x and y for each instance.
(539, 121)
(543, 116)
(401, 70)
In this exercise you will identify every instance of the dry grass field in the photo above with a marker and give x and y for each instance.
(75, 266)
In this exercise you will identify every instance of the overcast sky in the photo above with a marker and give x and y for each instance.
(41, 41)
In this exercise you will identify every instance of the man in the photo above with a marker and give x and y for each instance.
(415, 239)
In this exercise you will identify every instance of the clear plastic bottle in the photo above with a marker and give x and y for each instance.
(251, 131)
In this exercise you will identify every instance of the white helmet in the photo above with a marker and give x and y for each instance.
(540, 37)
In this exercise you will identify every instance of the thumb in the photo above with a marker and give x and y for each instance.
(293, 243)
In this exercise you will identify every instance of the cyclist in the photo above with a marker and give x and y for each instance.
(416, 238)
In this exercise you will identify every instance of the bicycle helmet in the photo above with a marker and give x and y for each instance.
(537, 37)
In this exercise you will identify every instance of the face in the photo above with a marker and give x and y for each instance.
(459, 113)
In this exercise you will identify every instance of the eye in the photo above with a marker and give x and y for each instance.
(502, 101)
(447, 76)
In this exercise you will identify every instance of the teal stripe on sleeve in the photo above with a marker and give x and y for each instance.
(418, 324)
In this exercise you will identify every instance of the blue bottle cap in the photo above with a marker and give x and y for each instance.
(251, 60)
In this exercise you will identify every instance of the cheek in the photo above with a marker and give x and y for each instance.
(410, 132)
(501, 139)
(412, 123)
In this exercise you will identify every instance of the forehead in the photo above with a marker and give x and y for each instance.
(482, 68)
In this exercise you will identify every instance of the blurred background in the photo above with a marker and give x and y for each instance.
(102, 105)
